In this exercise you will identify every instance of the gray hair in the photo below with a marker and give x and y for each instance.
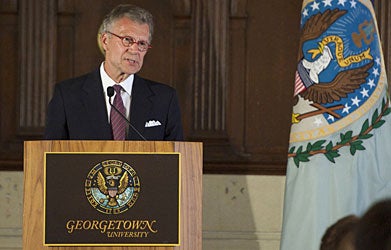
(133, 12)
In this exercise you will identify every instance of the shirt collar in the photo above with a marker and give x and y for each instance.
(126, 84)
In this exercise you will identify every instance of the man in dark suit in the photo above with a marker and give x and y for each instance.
(81, 109)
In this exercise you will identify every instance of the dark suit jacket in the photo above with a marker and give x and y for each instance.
(78, 111)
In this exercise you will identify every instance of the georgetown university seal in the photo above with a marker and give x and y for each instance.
(112, 187)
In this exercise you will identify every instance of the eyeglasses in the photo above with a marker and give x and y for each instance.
(128, 41)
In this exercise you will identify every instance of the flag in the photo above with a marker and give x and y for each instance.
(339, 159)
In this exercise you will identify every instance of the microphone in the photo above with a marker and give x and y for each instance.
(110, 93)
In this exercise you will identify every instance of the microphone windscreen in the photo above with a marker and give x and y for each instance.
(110, 91)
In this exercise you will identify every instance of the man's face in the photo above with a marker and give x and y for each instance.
(121, 61)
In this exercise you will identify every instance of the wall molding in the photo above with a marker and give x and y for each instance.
(238, 235)
(11, 238)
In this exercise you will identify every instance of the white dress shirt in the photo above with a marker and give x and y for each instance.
(127, 85)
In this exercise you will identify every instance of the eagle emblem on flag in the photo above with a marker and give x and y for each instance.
(339, 147)
(337, 79)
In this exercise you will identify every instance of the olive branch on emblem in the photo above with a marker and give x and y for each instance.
(331, 151)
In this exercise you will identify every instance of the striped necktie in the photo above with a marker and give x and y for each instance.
(118, 123)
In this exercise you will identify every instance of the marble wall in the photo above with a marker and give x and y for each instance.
(239, 212)
(11, 210)
(242, 212)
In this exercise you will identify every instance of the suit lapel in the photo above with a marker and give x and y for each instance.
(95, 105)
(141, 106)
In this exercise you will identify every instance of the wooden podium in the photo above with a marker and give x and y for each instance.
(190, 188)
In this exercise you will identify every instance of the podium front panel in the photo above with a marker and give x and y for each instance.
(109, 199)
(78, 201)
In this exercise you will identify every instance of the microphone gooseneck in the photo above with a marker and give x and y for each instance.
(110, 93)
